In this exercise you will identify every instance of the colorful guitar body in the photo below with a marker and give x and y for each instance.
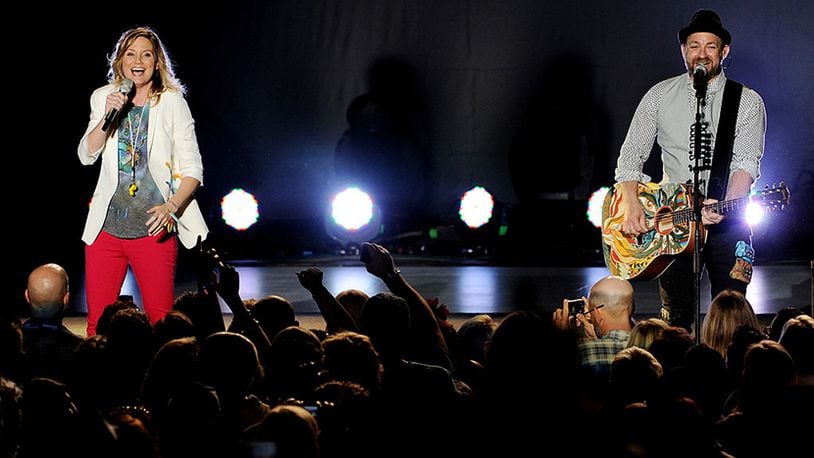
(670, 217)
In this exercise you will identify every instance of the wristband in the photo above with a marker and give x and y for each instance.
(391, 275)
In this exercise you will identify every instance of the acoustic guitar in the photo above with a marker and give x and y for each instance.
(671, 222)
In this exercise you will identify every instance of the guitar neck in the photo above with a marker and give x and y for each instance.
(670, 217)
(727, 206)
(721, 207)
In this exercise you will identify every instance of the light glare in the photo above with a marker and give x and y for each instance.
(754, 213)
(352, 209)
(595, 203)
(476, 208)
(239, 209)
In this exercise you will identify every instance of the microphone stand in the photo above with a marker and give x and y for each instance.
(700, 155)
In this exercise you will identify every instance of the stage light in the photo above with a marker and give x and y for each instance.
(476, 207)
(595, 202)
(239, 209)
(354, 217)
(352, 209)
(754, 213)
(481, 226)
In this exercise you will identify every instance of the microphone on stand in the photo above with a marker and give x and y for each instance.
(125, 88)
(699, 79)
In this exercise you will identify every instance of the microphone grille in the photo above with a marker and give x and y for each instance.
(127, 85)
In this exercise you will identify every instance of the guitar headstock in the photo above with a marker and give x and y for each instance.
(775, 197)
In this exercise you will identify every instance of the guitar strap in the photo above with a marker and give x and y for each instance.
(725, 140)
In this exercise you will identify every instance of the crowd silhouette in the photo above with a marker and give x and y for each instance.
(394, 377)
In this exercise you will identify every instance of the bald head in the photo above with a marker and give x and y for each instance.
(47, 290)
(615, 293)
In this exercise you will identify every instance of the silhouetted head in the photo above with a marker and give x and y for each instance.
(353, 300)
(386, 320)
(474, 334)
(229, 363)
(365, 114)
(798, 339)
(351, 356)
(174, 325)
(292, 430)
(274, 313)
(780, 318)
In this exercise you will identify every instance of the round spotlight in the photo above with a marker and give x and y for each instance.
(239, 209)
(476, 207)
(595, 203)
(354, 217)
(352, 209)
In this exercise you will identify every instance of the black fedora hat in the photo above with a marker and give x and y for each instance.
(705, 21)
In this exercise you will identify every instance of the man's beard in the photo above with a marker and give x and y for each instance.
(714, 71)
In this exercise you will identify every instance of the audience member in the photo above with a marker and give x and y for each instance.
(47, 343)
(606, 323)
(728, 310)
(780, 318)
(798, 339)
(645, 332)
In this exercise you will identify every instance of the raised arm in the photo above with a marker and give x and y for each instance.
(379, 262)
(228, 288)
(336, 317)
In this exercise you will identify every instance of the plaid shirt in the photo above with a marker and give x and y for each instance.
(597, 354)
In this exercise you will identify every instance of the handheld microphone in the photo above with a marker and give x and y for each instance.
(125, 88)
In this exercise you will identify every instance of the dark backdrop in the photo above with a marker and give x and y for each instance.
(528, 98)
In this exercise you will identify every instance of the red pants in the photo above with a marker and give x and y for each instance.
(152, 260)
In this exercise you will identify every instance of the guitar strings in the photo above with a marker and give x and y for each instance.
(684, 215)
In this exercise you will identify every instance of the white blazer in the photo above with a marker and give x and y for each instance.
(172, 152)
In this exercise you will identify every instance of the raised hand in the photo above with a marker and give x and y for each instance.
(561, 317)
(310, 278)
(229, 281)
(588, 327)
(205, 263)
(379, 261)
(336, 317)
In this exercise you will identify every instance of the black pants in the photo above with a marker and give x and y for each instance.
(727, 257)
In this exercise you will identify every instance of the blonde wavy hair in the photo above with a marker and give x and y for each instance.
(645, 332)
(164, 78)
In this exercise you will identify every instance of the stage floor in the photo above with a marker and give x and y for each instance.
(470, 287)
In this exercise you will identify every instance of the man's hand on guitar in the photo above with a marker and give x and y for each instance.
(708, 215)
(634, 221)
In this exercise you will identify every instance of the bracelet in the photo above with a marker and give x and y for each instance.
(174, 205)
(391, 275)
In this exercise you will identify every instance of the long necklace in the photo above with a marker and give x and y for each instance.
(134, 149)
